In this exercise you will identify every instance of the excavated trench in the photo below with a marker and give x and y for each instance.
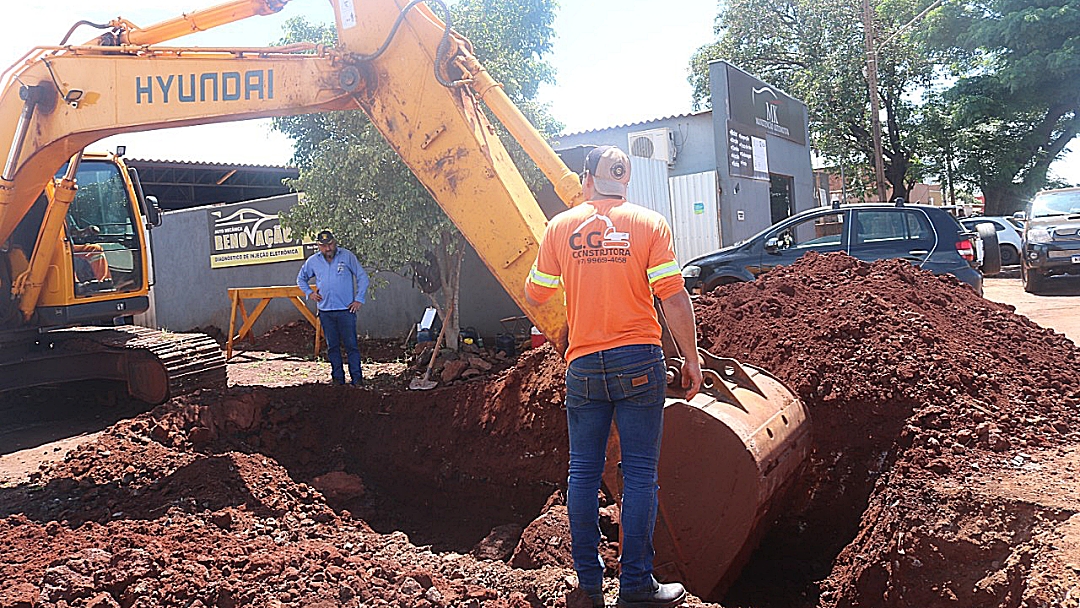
(449, 466)
(438, 465)
(943, 470)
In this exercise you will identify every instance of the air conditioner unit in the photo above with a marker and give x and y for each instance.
(653, 143)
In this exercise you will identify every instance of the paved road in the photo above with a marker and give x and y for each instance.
(1057, 308)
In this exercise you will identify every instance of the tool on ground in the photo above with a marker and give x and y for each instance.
(425, 383)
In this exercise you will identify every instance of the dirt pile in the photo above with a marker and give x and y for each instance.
(297, 497)
(945, 472)
(916, 387)
(455, 367)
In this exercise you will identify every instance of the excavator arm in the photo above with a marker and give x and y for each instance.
(398, 62)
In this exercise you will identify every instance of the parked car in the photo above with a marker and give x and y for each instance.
(1008, 236)
(1051, 237)
(924, 235)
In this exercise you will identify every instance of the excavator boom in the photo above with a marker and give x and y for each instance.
(406, 70)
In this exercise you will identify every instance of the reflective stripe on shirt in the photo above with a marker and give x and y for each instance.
(543, 279)
(663, 270)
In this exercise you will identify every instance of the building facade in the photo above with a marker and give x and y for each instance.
(731, 171)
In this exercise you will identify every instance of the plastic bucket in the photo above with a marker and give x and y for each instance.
(537, 337)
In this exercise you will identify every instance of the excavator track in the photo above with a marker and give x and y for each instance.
(155, 365)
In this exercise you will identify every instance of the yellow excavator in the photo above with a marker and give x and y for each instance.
(74, 252)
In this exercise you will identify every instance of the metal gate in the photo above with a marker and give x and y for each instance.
(695, 221)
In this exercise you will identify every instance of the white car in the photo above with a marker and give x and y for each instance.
(1009, 239)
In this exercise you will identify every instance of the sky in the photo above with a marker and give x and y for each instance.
(627, 49)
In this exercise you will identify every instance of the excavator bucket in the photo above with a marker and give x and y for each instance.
(725, 457)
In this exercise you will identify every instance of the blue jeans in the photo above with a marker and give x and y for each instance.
(339, 327)
(627, 383)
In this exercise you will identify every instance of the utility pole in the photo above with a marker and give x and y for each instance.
(872, 81)
(875, 106)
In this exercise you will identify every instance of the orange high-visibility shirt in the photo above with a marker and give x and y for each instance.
(611, 257)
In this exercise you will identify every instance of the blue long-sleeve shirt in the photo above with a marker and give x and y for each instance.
(341, 281)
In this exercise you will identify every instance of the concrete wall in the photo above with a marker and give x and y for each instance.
(188, 293)
(483, 301)
(744, 206)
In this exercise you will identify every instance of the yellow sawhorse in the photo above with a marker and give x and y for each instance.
(237, 295)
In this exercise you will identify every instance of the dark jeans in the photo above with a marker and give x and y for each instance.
(627, 383)
(339, 327)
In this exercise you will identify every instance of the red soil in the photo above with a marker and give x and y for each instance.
(944, 472)
(925, 400)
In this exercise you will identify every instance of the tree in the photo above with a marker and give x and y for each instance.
(815, 50)
(941, 144)
(983, 93)
(1015, 105)
(354, 183)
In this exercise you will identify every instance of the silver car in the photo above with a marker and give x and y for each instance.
(1009, 240)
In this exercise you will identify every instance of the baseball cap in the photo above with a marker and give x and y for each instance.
(610, 168)
(324, 237)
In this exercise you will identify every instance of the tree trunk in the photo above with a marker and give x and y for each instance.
(1003, 199)
(1050, 137)
(898, 158)
(895, 171)
(450, 269)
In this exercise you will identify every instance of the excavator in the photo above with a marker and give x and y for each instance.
(74, 255)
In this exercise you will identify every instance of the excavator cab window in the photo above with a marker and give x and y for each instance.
(106, 254)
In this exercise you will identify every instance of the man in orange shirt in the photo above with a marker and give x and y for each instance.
(611, 257)
(90, 254)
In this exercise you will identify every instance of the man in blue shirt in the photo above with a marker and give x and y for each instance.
(340, 288)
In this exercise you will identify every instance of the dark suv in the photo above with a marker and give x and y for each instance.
(924, 235)
(1051, 237)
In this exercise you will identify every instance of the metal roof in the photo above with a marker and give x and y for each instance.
(206, 164)
(185, 184)
(634, 124)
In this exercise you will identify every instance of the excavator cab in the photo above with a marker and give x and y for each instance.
(106, 252)
(102, 259)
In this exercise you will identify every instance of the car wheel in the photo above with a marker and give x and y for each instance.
(1009, 255)
(1033, 281)
(991, 252)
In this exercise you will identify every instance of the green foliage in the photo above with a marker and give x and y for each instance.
(307, 130)
(510, 37)
(815, 50)
(812, 50)
(1015, 104)
(980, 92)
(355, 184)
